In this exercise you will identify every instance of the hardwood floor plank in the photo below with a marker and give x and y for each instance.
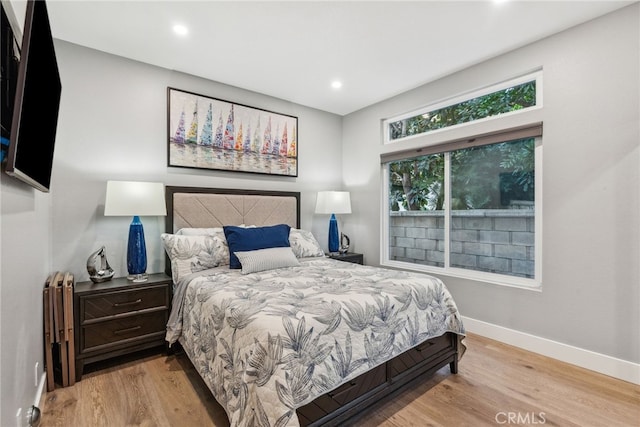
(557, 388)
(495, 381)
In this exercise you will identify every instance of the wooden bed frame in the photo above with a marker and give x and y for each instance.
(350, 399)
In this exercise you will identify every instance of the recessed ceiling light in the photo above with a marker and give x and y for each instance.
(336, 84)
(180, 30)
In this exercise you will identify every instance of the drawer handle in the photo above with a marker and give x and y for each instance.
(334, 394)
(124, 331)
(425, 346)
(122, 304)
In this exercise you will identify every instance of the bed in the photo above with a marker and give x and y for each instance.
(291, 337)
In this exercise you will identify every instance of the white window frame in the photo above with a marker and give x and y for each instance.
(536, 75)
(470, 130)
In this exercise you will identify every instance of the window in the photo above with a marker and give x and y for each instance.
(515, 95)
(468, 207)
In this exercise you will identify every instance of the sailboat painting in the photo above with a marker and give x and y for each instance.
(211, 133)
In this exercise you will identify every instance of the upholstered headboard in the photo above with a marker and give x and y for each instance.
(214, 207)
(201, 207)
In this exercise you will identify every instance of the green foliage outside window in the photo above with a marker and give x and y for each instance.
(492, 176)
(503, 101)
(484, 177)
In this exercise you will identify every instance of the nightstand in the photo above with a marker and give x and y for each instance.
(349, 257)
(119, 317)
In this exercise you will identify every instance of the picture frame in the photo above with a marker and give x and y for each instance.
(211, 133)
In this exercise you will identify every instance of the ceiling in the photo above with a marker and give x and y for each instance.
(294, 49)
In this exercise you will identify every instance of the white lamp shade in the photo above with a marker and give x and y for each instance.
(333, 202)
(130, 198)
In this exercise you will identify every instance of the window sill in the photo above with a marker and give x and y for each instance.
(477, 276)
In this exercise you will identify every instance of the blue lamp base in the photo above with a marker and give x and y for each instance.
(136, 252)
(334, 238)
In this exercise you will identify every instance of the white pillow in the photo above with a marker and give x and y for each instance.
(304, 244)
(200, 231)
(215, 232)
(266, 259)
(189, 254)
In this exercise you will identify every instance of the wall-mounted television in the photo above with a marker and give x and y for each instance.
(37, 102)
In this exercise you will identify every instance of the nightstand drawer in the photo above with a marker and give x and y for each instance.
(113, 303)
(113, 332)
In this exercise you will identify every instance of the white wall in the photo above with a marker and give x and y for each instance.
(590, 165)
(113, 125)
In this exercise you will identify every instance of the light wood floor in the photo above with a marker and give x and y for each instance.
(496, 385)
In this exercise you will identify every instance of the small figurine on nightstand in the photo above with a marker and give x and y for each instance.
(105, 273)
(344, 247)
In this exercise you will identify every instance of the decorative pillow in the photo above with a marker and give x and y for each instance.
(266, 259)
(304, 244)
(189, 254)
(214, 231)
(248, 239)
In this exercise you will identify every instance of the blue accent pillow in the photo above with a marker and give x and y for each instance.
(242, 239)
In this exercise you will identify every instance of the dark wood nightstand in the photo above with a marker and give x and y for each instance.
(119, 317)
(349, 257)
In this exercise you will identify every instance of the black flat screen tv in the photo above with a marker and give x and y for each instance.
(37, 102)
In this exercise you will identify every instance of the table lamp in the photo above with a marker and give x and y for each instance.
(128, 198)
(333, 202)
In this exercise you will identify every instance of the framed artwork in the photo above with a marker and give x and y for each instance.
(210, 133)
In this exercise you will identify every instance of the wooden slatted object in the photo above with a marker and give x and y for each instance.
(58, 330)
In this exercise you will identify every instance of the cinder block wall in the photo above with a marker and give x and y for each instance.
(493, 240)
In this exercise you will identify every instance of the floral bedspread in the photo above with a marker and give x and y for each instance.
(267, 343)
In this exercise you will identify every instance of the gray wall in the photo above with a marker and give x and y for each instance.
(112, 125)
(492, 240)
(25, 254)
(591, 161)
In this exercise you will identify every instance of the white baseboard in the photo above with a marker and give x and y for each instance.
(607, 365)
(21, 416)
(41, 384)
